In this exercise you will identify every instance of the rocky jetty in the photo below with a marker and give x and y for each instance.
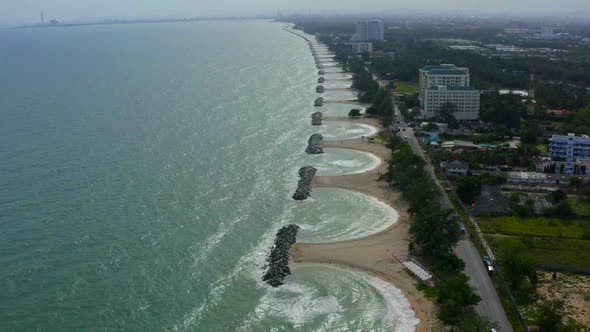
(316, 119)
(303, 191)
(321, 72)
(321, 80)
(320, 89)
(314, 144)
(278, 259)
(319, 66)
(319, 102)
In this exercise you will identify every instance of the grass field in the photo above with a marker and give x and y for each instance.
(580, 206)
(406, 87)
(535, 227)
(545, 250)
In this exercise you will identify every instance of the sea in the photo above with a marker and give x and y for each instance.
(145, 168)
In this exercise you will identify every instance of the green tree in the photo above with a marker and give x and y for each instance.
(455, 296)
(561, 209)
(435, 231)
(517, 267)
(430, 127)
(468, 187)
(530, 134)
(575, 181)
(557, 196)
(550, 316)
(447, 114)
(355, 112)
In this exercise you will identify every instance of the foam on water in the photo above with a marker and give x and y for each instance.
(323, 297)
(338, 130)
(339, 214)
(336, 161)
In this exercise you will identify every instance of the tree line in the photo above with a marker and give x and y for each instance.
(435, 231)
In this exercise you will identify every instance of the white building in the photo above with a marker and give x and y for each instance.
(569, 148)
(359, 48)
(448, 83)
(442, 75)
(466, 99)
(369, 30)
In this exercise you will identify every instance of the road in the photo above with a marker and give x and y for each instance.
(490, 306)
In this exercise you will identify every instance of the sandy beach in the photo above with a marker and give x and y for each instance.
(374, 253)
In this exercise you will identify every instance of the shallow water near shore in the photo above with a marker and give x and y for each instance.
(335, 95)
(324, 297)
(145, 170)
(336, 161)
(341, 130)
(365, 215)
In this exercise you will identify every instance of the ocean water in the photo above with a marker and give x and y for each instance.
(144, 171)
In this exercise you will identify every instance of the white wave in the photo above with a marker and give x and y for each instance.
(347, 296)
(397, 303)
(346, 163)
(351, 166)
(293, 302)
(359, 227)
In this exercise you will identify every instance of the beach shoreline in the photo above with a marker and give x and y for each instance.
(373, 254)
(377, 254)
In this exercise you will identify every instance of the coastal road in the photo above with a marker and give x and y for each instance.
(490, 306)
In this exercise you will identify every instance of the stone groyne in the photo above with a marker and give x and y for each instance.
(316, 119)
(319, 102)
(278, 258)
(303, 190)
(314, 144)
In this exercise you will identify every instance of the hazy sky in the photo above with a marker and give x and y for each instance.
(27, 11)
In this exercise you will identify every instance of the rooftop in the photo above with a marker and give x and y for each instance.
(445, 69)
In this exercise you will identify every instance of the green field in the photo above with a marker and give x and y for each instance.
(406, 87)
(545, 250)
(580, 206)
(535, 227)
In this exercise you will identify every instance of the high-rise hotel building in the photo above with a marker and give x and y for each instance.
(447, 83)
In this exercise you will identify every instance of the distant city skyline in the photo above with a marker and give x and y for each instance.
(22, 12)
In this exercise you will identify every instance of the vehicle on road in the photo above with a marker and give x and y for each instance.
(488, 263)
(463, 229)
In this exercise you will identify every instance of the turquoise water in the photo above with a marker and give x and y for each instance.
(145, 169)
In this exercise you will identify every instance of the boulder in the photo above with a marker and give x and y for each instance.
(278, 258)
(314, 144)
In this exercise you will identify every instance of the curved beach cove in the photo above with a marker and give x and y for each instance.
(357, 215)
(324, 297)
(337, 161)
(344, 130)
(155, 208)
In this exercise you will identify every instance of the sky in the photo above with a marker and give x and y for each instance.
(28, 11)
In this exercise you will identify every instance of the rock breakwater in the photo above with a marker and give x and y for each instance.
(319, 102)
(316, 119)
(278, 258)
(303, 190)
(314, 144)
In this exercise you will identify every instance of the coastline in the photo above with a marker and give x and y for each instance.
(374, 254)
